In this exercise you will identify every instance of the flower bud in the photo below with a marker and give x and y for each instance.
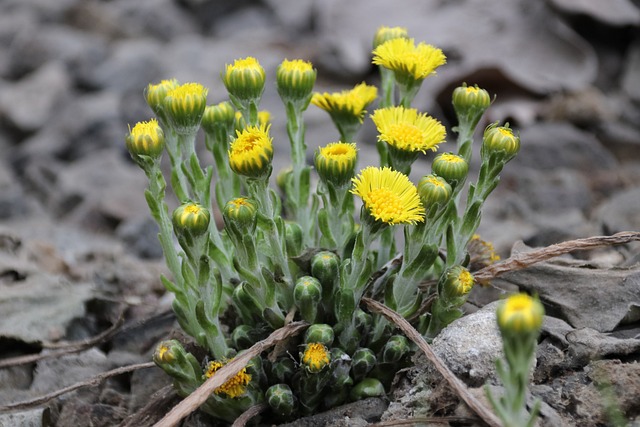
(325, 266)
(293, 238)
(387, 33)
(219, 116)
(283, 369)
(172, 358)
(155, 94)
(395, 349)
(500, 139)
(315, 357)
(191, 218)
(451, 167)
(319, 333)
(362, 362)
(281, 400)
(145, 139)
(295, 80)
(244, 79)
(307, 294)
(251, 153)
(336, 163)
(368, 387)
(363, 321)
(241, 213)
(457, 282)
(166, 352)
(434, 191)
(184, 107)
(520, 314)
(470, 101)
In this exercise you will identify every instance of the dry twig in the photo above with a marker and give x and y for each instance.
(458, 386)
(242, 420)
(200, 395)
(523, 260)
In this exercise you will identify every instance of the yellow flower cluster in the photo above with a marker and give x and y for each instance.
(233, 388)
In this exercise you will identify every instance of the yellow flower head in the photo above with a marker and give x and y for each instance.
(184, 106)
(235, 387)
(336, 162)
(500, 139)
(244, 79)
(251, 152)
(241, 212)
(146, 139)
(409, 63)
(387, 33)
(347, 104)
(407, 130)
(219, 116)
(458, 282)
(520, 313)
(434, 190)
(155, 94)
(295, 80)
(191, 218)
(315, 357)
(388, 196)
(452, 167)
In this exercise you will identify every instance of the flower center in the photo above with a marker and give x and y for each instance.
(192, 209)
(384, 204)
(405, 135)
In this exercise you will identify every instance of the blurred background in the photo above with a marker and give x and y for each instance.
(566, 74)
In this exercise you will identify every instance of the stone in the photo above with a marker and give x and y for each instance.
(630, 78)
(55, 373)
(30, 418)
(140, 236)
(615, 12)
(552, 191)
(621, 212)
(161, 19)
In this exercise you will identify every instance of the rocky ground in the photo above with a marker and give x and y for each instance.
(78, 248)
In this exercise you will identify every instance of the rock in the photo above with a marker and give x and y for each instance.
(161, 19)
(552, 191)
(292, 14)
(55, 373)
(367, 410)
(616, 12)
(29, 103)
(586, 344)
(621, 139)
(31, 418)
(78, 412)
(621, 212)
(141, 237)
(13, 201)
(631, 77)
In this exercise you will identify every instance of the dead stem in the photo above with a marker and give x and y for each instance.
(242, 420)
(457, 385)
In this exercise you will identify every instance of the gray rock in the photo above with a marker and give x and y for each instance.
(293, 15)
(631, 76)
(621, 139)
(552, 191)
(621, 212)
(140, 236)
(30, 418)
(161, 19)
(614, 12)
(55, 373)
(29, 103)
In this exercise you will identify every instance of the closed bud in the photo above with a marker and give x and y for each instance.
(145, 139)
(470, 102)
(336, 163)
(363, 321)
(384, 34)
(458, 282)
(451, 167)
(191, 218)
(325, 266)
(500, 139)
(219, 116)
(315, 357)
(241, 213)
(395, 349)
(172, 358)
(244, 79)
(295, 80)
(307, 294)
(184, 107)
(520, 314)
(368, 387)
(434, 191)
(362, 362)
(283, 369)
(167, 352)
(281, 400)
(155, 94)
(320, 333)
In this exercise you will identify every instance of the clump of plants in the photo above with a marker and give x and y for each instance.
(310, 247)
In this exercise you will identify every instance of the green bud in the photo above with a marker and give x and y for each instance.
(191, 218)
(336, 163)
(451, 167)
(320, 333)
(293, 238)
(220, 116)
(244, 79)
(307, 294)
(241, 213)
(500, 139)
(155, 94)
(362, 362)
(172, 358)
(184, 107)
(434, 191)
(145, 139)
(457, 283)
(384, 34)
(325, 266)
(368, 387)
(295, 80)
(281, 400)
(283, 369)
(395, 349)
(469, 103)
(363, 321)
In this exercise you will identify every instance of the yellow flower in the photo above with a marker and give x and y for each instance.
(347, 103)
(452, 167)
(184, 106)
(295, 80)
(315, 357)
(388, 196)
(458, 282)
(407, 130)
(146, 139)
(219, 116)
(251, 152)
(387, 33)
(500, 139)
(155, 94)
(410, 63)
(234, 387)
(336, 161)
(191, 218)
(520, 313)
(264, 117)
(244, 79)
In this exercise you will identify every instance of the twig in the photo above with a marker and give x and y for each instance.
(523, 260)
(153, 410)
(93, 381)
(458, 386)
(200, 395)
(69, 348)
(420, 421)
(242, 420)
